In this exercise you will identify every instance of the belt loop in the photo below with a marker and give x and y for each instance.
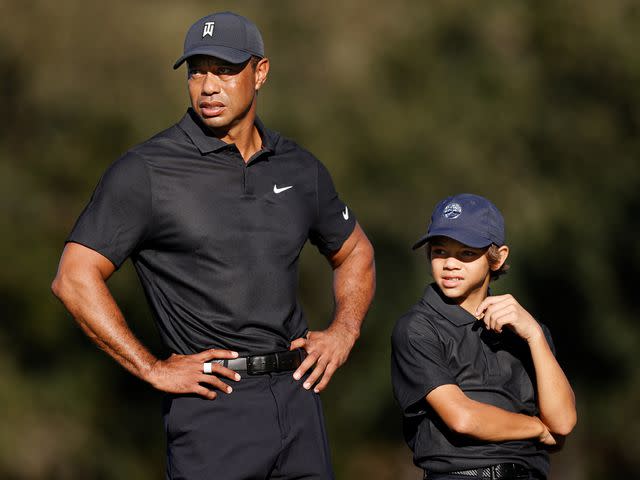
(277, 361)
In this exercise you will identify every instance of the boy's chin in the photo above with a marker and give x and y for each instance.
(454, 295)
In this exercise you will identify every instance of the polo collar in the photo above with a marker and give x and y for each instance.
(441, 304)
(207, 142)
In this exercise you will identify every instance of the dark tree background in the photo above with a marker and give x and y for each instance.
(535, 104)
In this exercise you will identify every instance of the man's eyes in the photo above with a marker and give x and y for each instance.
(196, 72)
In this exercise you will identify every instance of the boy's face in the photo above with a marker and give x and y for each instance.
(461, 272)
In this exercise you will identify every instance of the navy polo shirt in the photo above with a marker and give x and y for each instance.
(439, 343)
(216, 241)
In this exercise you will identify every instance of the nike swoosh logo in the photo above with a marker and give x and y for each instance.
(345, 214)
(280, 190)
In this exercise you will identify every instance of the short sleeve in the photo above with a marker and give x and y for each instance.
(547, 335)
(118, 215)
(418, 363)
(334, 221)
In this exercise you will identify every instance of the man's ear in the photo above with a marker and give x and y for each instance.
(261, 73)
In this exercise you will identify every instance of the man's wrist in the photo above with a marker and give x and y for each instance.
(148, 371)
(346, 329)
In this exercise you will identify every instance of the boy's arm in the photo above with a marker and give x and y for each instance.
(483, 421)
(556, 400)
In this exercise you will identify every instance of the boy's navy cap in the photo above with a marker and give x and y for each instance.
(223, 35)
(470, 219)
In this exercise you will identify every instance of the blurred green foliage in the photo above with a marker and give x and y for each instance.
(535, 104)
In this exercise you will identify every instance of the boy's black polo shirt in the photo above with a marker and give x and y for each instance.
(438, 343)
(215, 241)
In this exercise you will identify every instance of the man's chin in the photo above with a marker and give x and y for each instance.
(216, 123)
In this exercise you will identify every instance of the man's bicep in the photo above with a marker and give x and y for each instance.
(356, 243)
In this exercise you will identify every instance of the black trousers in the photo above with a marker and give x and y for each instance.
(268, 428)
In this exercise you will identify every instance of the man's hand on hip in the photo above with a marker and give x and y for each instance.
(185, 373)
(327, 350)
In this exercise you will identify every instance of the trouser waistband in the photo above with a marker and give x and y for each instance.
(505, 471)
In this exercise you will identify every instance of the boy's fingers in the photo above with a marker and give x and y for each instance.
(489, 301)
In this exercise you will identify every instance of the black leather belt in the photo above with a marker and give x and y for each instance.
(512, 471)
(284, 361)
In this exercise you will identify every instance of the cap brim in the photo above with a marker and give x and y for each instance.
(227, 54)
(420, 243)
(470, 239)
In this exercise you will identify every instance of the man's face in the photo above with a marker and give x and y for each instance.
(222, 93)
(461, 272)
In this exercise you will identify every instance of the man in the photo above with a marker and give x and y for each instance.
(214, 212)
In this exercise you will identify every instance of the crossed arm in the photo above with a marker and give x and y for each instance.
(556, 400)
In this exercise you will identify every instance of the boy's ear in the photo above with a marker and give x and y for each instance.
(503, 253)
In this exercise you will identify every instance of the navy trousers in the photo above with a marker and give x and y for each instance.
(268, 428)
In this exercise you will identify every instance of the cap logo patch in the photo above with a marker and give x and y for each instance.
(208, 29)
(452, 210)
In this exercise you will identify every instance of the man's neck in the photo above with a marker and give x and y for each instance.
(244, 134)
(246, 138)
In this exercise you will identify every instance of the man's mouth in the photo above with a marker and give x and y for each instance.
(211, 109)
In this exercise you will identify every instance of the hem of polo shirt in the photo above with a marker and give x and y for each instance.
(101, 251)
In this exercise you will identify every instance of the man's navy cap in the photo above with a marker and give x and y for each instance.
(224, 35)
(470, 219)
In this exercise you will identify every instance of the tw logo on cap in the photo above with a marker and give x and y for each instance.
(208, 29)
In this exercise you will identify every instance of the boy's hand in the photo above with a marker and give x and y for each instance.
(502, 311)
(546, 438)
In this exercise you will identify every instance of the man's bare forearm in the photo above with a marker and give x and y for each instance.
(354, 284)
(81, 286)
(87, 297)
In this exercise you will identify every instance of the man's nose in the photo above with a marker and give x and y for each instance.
(211, 84)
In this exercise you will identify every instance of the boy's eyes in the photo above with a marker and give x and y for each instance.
(441, 252)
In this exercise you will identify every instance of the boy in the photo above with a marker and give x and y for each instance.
(481, 391)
